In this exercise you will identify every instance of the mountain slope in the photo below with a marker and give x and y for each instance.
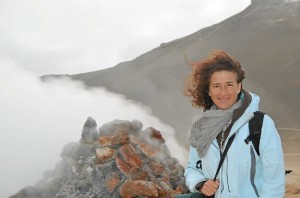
(264, 38)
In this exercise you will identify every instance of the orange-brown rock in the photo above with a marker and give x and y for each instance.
(136, 188)
(173, 164)
(164, 181)
(105, 154)
(173, 175)
(137, 174)
(155, 134)
(179, 189)
(162, 193)
(156, 168)
(120, 137)
(123, 166)
(130, 156)
(112, 181)
(166, 190)
(148, 150)
(134, 139)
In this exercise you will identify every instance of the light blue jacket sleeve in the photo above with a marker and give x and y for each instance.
(193, 175)
(272, 161)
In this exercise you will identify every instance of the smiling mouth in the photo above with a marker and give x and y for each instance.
(224, 99)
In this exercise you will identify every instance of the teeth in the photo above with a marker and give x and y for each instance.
(224, 99)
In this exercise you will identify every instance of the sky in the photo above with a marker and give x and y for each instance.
(75, 36)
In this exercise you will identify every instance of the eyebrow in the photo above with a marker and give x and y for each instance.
(220, 83)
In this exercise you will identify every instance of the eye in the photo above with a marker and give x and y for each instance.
(230, 84)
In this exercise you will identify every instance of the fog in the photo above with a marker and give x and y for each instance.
(38, 119)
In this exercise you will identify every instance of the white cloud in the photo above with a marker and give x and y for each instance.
(38, 119)
(54, 36)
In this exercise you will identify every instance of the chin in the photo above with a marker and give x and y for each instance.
(224, 106)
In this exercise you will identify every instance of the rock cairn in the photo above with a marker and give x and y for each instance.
(122, 160)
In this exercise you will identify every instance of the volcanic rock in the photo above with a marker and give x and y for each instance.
(122, 160)
(89, 131)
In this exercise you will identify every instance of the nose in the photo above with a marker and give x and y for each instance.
(223, 90)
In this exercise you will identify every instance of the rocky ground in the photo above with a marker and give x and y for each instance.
(293, 185)
(290, 141)
(293, 179)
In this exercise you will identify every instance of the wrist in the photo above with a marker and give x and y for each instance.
(199, 186)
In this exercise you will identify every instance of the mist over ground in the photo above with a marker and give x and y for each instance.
(38, 119)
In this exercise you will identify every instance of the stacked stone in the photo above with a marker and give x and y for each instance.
(140, 164)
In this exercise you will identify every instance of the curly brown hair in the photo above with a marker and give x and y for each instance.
(197, 83)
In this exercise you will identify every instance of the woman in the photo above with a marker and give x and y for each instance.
(215, 85)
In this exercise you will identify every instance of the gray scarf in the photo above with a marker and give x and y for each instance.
(207, 125)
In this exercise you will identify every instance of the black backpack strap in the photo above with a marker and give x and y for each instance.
(255, 126)
(230, 140)
(224, 155)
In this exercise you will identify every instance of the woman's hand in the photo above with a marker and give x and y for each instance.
(210, 187)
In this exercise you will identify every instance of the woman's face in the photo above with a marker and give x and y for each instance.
(224, 89)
